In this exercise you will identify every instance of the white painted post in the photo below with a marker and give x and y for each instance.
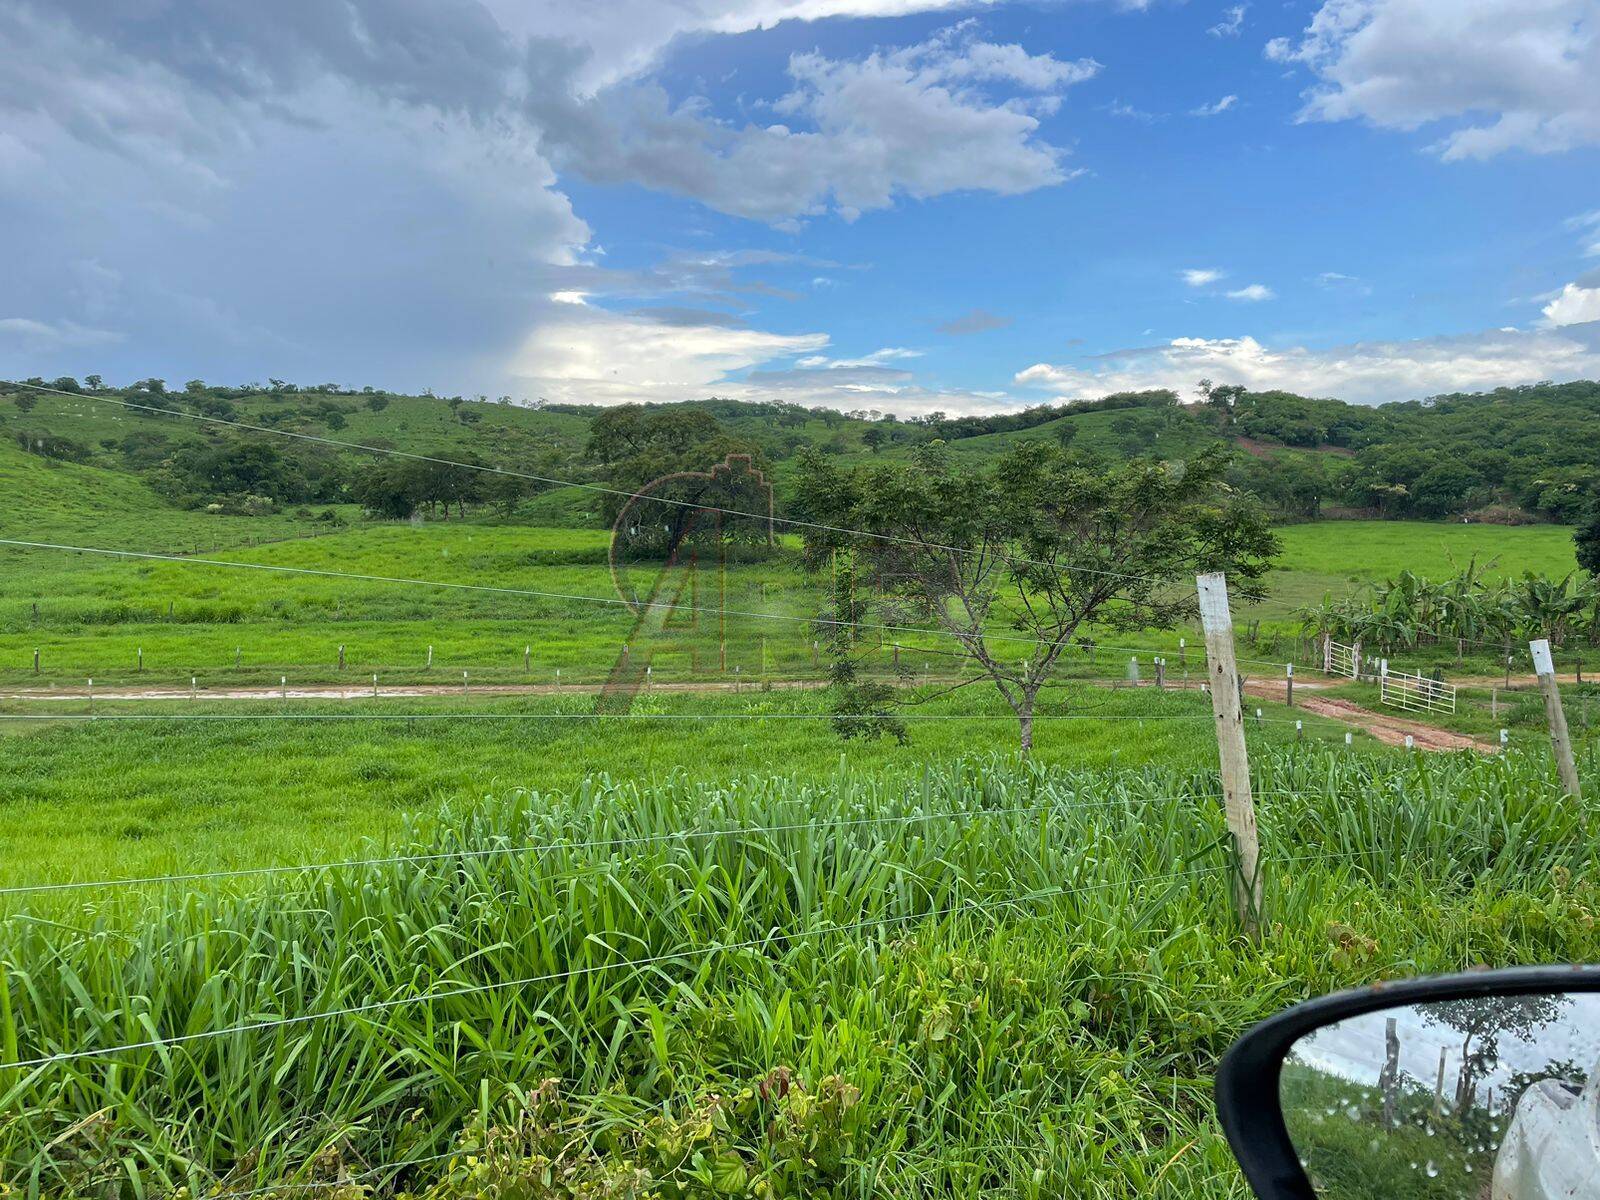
(374, 685)
(1505, 738)
(341, 656)
(237, 651)
(1231, 753)
(194, 687)
(1299, 731)
(527, 659)
(1349, 738)
(1327, 654)
(1544, 667)
(1410, 742)
(283, 682)
(139, 659)
(463, 681)
(430, 656)
(91, 695)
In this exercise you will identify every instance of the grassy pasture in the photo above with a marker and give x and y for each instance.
(1320, 557)
(130, 798)
(987, 980)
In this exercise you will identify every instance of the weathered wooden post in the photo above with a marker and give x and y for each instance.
(341, 656)
(1288, 684)
(36, 660)
(1555, 717)
(1234, 761)
(527, 659)
(138, 659)
(1389, 1077)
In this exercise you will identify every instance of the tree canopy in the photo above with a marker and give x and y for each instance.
(1011, 558)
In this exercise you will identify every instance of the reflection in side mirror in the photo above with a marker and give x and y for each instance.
(1483, 1086)
(1484, 1096)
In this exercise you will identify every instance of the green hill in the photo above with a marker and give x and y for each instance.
(1508, 456)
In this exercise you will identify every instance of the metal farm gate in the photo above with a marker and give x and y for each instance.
(1416, 693)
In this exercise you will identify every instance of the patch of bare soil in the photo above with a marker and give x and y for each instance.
(1392, 731)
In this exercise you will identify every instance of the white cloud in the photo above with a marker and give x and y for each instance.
(1232, 22)
(854, 134)
(1502, 74)
(1201, 276)
(1215, 108)
(1361, 372)
(1119, 108)
(589, 355)
(1574, 305)
(1254, 292)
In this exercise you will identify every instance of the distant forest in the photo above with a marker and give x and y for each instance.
(1511, 455)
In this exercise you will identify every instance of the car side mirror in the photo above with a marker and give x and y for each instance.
(1483, 1086)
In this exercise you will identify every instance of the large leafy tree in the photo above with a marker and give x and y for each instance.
(1483, 1021)
(1587, 542)
(1037, 546)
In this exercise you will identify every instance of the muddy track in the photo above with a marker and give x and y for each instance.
(1388, 729)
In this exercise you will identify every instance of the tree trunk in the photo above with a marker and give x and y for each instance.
(1025, 725)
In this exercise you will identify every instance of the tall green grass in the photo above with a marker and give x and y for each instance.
(998, 980)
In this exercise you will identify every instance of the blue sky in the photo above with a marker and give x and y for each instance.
(901, 205)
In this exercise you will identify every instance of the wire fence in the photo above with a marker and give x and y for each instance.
(415, 993)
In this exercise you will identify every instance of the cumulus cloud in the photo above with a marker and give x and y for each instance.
(1254, 292)
(585, 354)
(1215, 108)
(976, 320)
(1361, 372)
(853, 134)
(1201, 276)
(1574, 305)
(203, 120)
(1497, 74)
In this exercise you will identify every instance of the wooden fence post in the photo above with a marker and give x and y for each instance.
(1226, 708)
(1288, 684)
(1544, 667)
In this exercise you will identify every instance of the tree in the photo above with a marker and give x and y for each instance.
(25, 401)
(377, 402)
(93, 382)
(1036, 546)
(1587, 542)
(1482, 1020)
(874, 437)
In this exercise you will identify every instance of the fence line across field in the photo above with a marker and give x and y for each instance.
(532, 593)
(592, 487)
